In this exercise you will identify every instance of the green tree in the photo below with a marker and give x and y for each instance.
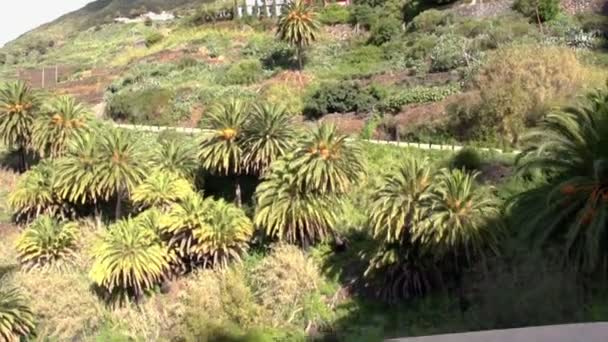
(121, 165)
(327, 162)
(161, 189)
(207, 232)
(129, 260)
(177, 156)
(77, 179)
(571, 149)
(222, 152)
(47, 242)
(18, 109)
(288, 213)
(268, 135)
(298, 27)
(16, 318)
(63, 119)
(36, 193)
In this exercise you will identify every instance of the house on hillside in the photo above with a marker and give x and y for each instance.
(163, 16)
(268, 8)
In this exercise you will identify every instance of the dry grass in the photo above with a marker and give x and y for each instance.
(283, 281)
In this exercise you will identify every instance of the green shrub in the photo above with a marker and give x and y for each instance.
(334, 14)
(363, 16)
(243, 72)
(430, 21)
(384, 30)
(449, 53)
(284, 95)
(281, 56)
(466, 159)
(340, 97)
(153, 39)
(147, 106)
(364, 55)
(394, 103)
(544, 10)
(187, 63)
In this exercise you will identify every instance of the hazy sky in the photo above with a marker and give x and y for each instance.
(20, 16)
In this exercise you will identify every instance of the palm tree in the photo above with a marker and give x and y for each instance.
(222, 152)
(47, 242)
(16, 319)
(63, 119)
(298, 27)
(18, 108)
(36, 193)
(399, 265)
(77, 170)
(571, 209)
(128, 261)
(268, 136)
(400, 203)
(461, 219)
(207, 232)
(176, 156)
(286, 212)
(161, 189)
(327, 162)
(121, 165)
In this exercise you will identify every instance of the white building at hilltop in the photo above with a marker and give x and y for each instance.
(163, 16)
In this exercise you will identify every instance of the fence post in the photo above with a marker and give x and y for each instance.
(42, 78)
(56, 74)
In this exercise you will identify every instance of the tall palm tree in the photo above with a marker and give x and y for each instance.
(161, 189)
(63, 119)
(222, 152)
(121, 165)
(286, 212)
(327, 162)
(461, 219)
(207, 232)
(77, 170)
(16, 318)
(399, 265)
(399, 205)
(18, 108)
(571, 148)
(268, 135)
(176, 156)
(298, 27)
(128, 261)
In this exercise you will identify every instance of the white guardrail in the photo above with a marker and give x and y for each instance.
(418, 145)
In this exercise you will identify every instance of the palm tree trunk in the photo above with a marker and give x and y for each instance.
(300, 62)
(22, 159)
(118, 204)
(238, 198)
(97, 215)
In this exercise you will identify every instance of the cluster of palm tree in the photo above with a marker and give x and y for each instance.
(428, 224)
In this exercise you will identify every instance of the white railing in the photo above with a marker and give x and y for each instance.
(418, 145)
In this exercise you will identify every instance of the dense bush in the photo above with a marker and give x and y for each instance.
(449, 53)
(515, 88)
(281, 56)
(153, 39)
(334, 14)
(543, 10)
(149, 106)
(363, 16)
(340, 97)
(284, 95)
(430, 21)
(243, 72)
(466, 159)
(384, 30)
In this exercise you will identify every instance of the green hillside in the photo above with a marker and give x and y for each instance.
(289, 217)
